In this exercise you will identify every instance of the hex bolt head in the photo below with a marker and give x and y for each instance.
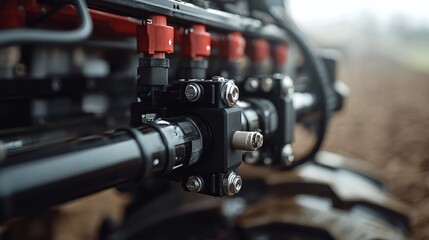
(247, 141)
(251, 84)
(233, 184)
(193, 92)
(194, 184)
(267, 84)
(230, 94)
(288, 156)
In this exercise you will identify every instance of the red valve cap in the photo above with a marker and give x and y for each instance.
(232, 47)
(259, 50)
(197, 42)
(155, 36)
(280, 53)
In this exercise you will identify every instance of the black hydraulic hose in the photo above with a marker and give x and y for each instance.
(37, 179)
(25, 36)
(325, 93)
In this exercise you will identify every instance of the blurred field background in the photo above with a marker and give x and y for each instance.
(385, 47)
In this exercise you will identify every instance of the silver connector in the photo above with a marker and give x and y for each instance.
(193, 92)
(233, 184)
(267, 84)
(230, 93)
(251, 84)
(194, 184)
(247, 141)
(288, 86)
(288, 156)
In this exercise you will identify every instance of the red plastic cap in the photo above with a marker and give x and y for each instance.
(179, 33)
(259, 50)
(233, 46)
(197, 42)
(280, 53)
(155, 36)
(12, 15)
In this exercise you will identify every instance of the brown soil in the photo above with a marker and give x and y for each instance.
(385, 122)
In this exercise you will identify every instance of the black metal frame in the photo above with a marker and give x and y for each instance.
(181, 12)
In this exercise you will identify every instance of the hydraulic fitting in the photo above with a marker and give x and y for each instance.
(272, 103)
(258, 50)
(247, 141)
(279, 55)
(197, 42)
(232, 47)
(195, 46)
(154, 39)
(233, 184)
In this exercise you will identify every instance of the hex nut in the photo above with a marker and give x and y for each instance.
(193, 92)
(194, 184)
(233, 184)
(230, 94)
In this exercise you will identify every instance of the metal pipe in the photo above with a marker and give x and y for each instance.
(34, 180)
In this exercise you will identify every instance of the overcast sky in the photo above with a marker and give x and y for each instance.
(319, 11)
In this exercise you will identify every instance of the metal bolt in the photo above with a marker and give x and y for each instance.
(247, 141)
(287, 86)
(193, 92)
(155, 162)
(194, 184)
(218, 78)
(233, 184)
(251, 157)
(230, 93)
(267, 84)
(268, 161)
(251, 84)
(287, 155)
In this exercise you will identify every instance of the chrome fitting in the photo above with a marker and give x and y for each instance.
(233, 184)
(230, 94)
(247, 141)
(193, 92)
